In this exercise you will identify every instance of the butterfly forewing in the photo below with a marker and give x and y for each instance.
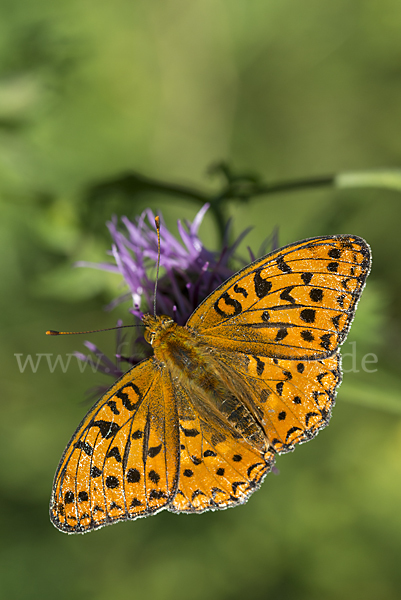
(295, 303)
(122, 462)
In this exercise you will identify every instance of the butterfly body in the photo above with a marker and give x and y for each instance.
(252, 374)
(194, 366)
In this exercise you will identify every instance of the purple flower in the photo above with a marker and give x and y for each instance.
(189, 273)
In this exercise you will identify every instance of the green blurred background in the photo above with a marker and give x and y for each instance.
(283, 89)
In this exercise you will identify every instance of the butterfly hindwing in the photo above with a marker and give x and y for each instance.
(122, 462)
(295, 303)
(292, 399)
(218, 468)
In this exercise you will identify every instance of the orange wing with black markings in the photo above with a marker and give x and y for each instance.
(218, 467)
(293, 399)
(122, 462)
(295, 303)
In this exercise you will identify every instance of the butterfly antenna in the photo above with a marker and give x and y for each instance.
(157, 222)
(53, 332)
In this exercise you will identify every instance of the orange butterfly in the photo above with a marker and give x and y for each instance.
(253, 373)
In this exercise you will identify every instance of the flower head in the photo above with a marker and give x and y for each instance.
(189, 273)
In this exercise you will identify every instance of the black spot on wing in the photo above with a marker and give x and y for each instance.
(260, 365)
(154, 451)
(107, 429)
(95, 472)
(325, 414)
(125, 398)
(197, 493)
(190, 432)
(320, 377)
(306, 278)
(291, 431)
(332, 267)
(133, 476)
(334, 253)
(316, 395)
(282, 265)
(286, 295)
(252, 467)
(307, 336)
(216, 490)
(340, 300)
(325, 341)
(112, 482)
(235, 485)
(229, 302)
(87, 448)
(309, 416)
(281, 334)
(308, 315)
(262, 286)
(69, 498)
(316, 295)
(113, 407)
(157, 495)
(114, 453)
(240, 290)
(154, 477)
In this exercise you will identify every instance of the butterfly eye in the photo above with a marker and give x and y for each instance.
(149, 336)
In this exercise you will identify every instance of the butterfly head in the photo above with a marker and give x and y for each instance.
(155, 326)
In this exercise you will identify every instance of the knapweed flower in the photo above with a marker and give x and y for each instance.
(188, 274)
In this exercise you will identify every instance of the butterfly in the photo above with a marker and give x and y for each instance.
(252, 374)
